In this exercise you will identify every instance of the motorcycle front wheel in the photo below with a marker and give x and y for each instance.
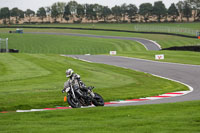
(98, 100)
(74, 103)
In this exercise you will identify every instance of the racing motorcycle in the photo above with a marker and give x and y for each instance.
(83, 97)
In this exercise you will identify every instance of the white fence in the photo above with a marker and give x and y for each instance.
(167, 29)
(4, 45)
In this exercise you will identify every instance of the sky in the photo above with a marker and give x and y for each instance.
(36, 4)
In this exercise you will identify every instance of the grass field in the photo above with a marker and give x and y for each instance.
(120, 26)
(59, 44)
(164, 118)
(170, 56)
(164, 40)
(36, 80)
(177, 28)
(63, 44)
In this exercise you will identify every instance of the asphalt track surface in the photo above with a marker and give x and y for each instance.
(187, 74)
(148, 44)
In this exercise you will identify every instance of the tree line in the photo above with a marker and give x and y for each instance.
(94, 12)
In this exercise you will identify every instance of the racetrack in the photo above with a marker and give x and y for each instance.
(188, 74)
(148, 44)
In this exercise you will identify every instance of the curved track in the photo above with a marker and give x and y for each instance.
(188, 74)
(148, 44)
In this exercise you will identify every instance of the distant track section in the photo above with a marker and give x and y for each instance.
(96, 29)
(148, 44)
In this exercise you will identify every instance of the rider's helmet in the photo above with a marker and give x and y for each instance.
(69, 72)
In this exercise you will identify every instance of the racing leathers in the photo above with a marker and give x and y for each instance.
(77, 84)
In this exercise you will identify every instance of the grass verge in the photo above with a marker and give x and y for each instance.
(164, 40)
(36, 80)
(61, 44)
(164, 118)
(28, 43)
(183, 57)
(128, 26)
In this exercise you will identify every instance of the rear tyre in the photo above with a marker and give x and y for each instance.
(98, 100)
(74, 103)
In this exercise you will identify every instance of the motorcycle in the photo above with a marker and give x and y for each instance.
(83, 97)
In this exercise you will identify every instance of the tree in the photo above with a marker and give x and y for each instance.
(15, 13)
(198, 14)
(41, 13)
(116, 11)
(180, 6)
(98, 9)
(145, 10)
(159, 10)
(124, 9)
(195, 4)
(61, 8)
(173, 11)
(29, 13)
(54, 12)
(132, 10)
(48, 12)
(5, 14)
(21, 14)
(67, 13)
(90, 12)
(73, 7)
(187, 10)
(80, 12)
(105, 13)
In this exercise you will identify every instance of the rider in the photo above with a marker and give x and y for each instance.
(77, 84)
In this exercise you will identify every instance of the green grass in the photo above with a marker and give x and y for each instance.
(164, 118)
(28, 43)
(164, 40)
(60, 44)
(178, 28)
(128, 26)
(194, 25)
(183, 57)
(36, 80)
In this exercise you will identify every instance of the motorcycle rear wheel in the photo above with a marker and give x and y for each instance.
(98, 100)
(74, 103)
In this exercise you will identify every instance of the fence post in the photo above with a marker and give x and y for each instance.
(7, 45)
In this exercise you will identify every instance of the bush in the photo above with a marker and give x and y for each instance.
(125, 21)
(77, 22)
(102, 22)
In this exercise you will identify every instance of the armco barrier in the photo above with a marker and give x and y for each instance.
(185, 48)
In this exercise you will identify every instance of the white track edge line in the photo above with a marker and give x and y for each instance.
(142, 45)
(190, 87)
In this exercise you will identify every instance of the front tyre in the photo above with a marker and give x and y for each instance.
(74, 103)
(98, 100)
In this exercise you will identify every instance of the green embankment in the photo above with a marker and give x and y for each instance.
(120, 26)
(60, 44)
(164, 40)
(36, 80)
(164, 118)
(29, 43)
